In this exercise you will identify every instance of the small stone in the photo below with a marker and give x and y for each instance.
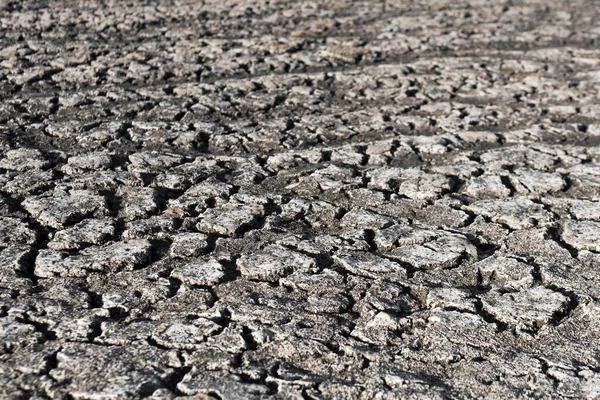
(111, 257)
(157, 226)
(15, 334)
(211, 188)
(24, 159)
(88, 231)
(188, 244)
(378, 330)
(187, 335)
(451, 298)
(226, 385)
(63, 209)
(583, 209)
(14, 231)
(371, 266)
(123, 334)
(526, 180)
(229, 219)
(423, 257)
(138, 202)
(80, 365)
(505, 272)
(364, 219)
(446, 252)
(487, 186)
(29, 183)
(529, 309)
(91, 162)
(582, 235)
(149, 160)
(272, 263)
(420, 185)
(403, 235)
(412, 183)
(128, 254)
(200, 272)
(517, 213)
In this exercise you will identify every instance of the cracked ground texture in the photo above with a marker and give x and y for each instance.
(299, 200)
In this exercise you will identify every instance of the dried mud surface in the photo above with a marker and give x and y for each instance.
(299, 200)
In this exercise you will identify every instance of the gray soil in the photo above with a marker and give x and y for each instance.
(299, 200)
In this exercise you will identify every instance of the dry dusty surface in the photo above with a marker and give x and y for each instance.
(299, 199)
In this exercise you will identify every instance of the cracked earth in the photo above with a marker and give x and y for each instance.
(299, 200)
